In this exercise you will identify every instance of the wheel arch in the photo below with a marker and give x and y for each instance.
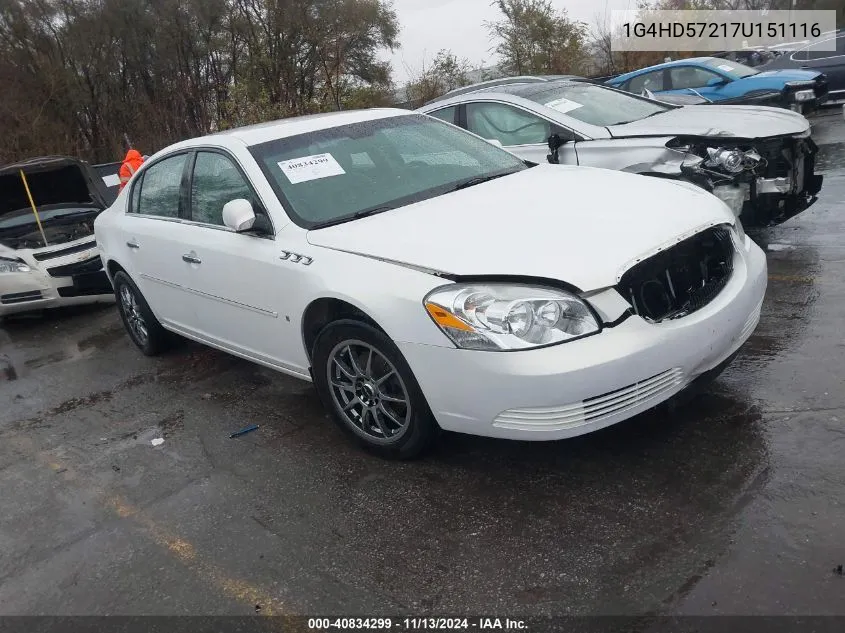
(112, 268)
(325, 310)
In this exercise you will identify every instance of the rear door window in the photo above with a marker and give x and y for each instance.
(445, 114)
(160, 188)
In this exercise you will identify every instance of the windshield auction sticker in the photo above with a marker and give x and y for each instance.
(703, 30)
(564, 105)
(310, 168)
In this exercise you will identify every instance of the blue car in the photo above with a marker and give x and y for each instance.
(727, 82)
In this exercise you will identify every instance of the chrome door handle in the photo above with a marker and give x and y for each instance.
(191, 258)
(133, 244)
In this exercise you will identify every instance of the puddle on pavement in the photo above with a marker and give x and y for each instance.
(172, 423)
(830, 157)
(104, 338)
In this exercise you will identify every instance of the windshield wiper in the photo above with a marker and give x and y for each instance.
(355, 216)
(477, 180)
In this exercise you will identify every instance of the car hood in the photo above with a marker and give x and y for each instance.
(786, 74)
(581, 225)
(52, 180)
(716, 120)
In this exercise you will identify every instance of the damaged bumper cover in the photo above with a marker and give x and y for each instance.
(764, 181)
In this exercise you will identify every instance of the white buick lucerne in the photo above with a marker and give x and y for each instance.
(426, 279)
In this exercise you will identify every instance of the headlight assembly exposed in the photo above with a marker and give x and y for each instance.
(729, 159)
(13, 266)
(500, 316)
(732, 160)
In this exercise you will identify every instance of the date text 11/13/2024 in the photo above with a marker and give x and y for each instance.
(418, 624)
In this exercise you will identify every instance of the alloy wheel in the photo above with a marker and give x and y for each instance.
(368, 392)
(134, 318)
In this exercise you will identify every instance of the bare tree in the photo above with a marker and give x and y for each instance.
(80, 76)
(445, 73)
(534, 38)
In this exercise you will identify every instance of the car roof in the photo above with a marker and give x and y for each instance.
(503, 84)
(283, 128)
(524, 88)
(676, 62)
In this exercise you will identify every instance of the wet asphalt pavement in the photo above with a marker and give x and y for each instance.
(734, 503)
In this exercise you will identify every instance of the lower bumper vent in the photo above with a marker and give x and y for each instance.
(592, 410)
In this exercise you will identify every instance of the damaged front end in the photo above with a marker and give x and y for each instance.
(681, 279)
(764, 181)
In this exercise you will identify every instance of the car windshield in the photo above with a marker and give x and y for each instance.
(341, 173)
(597, 105)
(734, 69)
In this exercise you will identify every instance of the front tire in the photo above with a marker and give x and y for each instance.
(140, 323)
(370, 391)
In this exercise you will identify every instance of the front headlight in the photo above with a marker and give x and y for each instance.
(803, 95)
(499, 316)
(13, 266)
(732, 160)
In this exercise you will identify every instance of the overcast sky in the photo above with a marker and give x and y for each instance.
(429, 25)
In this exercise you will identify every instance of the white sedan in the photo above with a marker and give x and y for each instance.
(48, 258)
(425, 279)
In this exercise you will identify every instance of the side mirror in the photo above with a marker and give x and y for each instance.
(648, 94)
(494, 141)
(555, 143)
(238, 215)
(716, 82)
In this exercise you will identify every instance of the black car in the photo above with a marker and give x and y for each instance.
(752, 57)
(812, 57)
(110, 173)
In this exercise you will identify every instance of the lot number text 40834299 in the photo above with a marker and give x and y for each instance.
(418, 624)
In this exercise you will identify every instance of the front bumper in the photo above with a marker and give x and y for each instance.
(582, 386)
(788, 187)
(64, 280)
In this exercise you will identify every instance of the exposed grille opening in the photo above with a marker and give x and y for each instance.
(87, 284)
(64, 251)
(681, 279)
(88, 266)
(20, 297)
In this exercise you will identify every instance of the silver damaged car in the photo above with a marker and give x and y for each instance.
(760, 161)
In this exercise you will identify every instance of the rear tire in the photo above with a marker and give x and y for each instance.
(370, 391)
(140, 323)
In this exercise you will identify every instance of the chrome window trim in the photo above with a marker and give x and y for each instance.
(206, 225)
